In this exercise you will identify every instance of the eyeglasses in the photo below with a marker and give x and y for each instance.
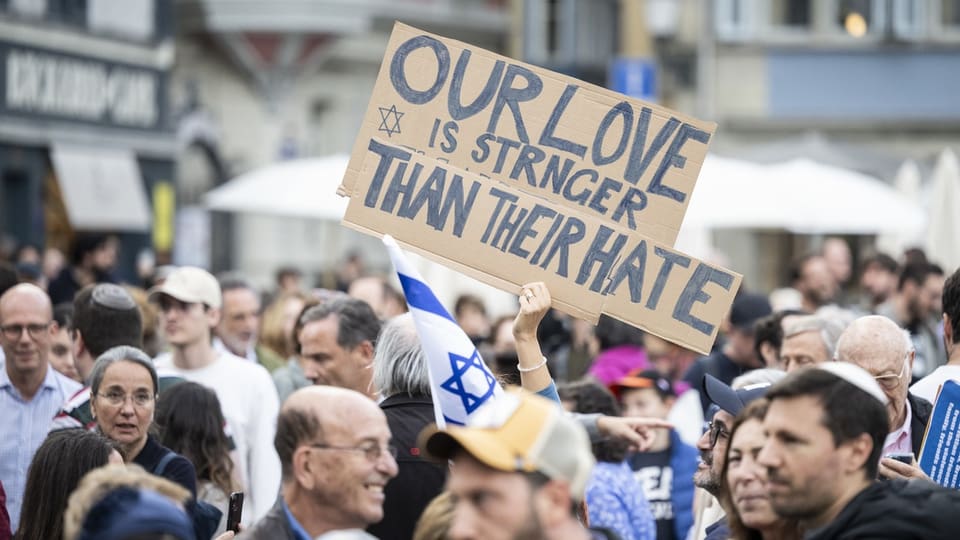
(372, 451)
(716, 430)
(892, 382)
(14, 331)
(117, 399)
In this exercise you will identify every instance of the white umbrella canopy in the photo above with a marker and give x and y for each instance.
(827, 150)
(800, 196)
(907, 182)
(305, 188)
(943, 232)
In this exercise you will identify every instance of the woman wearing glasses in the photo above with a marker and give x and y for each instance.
(123, 397)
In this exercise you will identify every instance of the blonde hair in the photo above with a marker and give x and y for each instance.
(98, 482)
(273, 333)
(150, 336)
(436, 519)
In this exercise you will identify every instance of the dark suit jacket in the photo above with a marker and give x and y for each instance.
(418, 480)
(920, 410)
(273, 526)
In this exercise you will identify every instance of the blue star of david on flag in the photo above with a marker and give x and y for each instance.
(461, 366)
(460, 382)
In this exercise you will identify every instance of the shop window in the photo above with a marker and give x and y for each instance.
(909, 19)
(791, 13)
(29, 8)
(950, 14)
(69, 12)
(858, 18)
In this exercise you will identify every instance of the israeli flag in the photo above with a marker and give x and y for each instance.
(460, 380)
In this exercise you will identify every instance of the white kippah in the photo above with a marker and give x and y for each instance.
(856, 376)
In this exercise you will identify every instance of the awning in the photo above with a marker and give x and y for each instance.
(102, 188)
(303, 188)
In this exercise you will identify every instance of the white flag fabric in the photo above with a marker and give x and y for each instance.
(460, 380)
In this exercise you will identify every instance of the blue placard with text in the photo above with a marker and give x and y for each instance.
(940, 454)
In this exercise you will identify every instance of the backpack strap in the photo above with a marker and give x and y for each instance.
(162, 464)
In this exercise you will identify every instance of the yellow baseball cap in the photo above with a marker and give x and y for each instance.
(519, 432)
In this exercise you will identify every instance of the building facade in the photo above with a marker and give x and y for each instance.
(281, 80)
(86, 139)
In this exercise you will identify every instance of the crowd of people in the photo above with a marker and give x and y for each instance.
(136, 411)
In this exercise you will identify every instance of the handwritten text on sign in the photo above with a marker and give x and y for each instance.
(629, 162)
(589, 264)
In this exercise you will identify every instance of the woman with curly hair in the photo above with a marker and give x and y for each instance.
(191, 423)
(746, 501)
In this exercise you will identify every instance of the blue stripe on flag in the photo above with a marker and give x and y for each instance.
(421, 297)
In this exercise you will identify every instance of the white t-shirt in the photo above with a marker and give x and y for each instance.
(250, 406)
(928, 386)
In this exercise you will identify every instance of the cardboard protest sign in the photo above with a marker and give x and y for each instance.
(510, 173)
(940, 453)
(626, 161)
(503, 236)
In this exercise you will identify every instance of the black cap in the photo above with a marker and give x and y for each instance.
(728, 399)
(748, 308)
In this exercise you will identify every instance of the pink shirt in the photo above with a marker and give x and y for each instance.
(899, 441)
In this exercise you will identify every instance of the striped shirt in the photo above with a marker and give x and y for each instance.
(23, 427)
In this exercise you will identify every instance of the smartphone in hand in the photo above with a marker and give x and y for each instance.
(905, 457)
(235, 511)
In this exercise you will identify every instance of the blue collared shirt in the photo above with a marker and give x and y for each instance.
(299, 533)
(23, 427)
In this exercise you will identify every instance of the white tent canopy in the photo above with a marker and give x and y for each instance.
(799, 196)
(302, 188)
(942, 244)
(908, 183)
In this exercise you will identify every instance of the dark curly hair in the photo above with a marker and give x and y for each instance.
(190, 423)
(590, 397)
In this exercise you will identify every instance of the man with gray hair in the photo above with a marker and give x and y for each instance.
(400, 377)
(239, 324)
(337, 342)
(808, 340)
(878, 345)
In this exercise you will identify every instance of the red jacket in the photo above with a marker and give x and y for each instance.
(5, 533)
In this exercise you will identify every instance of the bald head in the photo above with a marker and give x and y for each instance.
(26, 295)
(882, 348)
(327, 402)
(28, 329)
(313, 413)
(868, 339)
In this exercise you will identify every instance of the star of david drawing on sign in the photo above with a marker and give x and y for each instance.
(390, 120)
(461, 366)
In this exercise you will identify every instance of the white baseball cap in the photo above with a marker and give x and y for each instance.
(191, 285)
